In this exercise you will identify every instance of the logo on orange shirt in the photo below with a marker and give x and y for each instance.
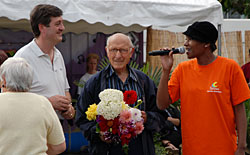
(214, 85)
(214, 88)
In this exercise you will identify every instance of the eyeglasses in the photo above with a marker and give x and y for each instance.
(115, 50)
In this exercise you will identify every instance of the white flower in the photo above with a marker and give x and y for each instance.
(109, 110)
(113, 95)
(136, 114)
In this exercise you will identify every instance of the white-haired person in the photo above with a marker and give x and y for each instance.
(29, 124)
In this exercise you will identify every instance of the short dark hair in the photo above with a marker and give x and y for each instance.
(41, 14)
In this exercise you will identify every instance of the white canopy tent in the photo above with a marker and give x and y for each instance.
(110, 16)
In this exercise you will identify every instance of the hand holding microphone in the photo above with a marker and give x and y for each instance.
(179, 50)
(167, 60)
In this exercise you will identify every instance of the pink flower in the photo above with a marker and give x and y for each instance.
(139, 127)
(125, 116)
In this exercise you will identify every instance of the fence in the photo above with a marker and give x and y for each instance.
(231, 47)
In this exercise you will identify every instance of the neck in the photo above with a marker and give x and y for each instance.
(46, 46)
(122, 75)
(92, 72)
(206, 59)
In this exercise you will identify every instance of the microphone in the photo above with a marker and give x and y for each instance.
(179, 50)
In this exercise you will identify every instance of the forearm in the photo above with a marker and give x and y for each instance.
(67, 94)
(56, 149)
(241, 124)
(175, 121)
(163, 97)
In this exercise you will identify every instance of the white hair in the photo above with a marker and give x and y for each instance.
(17, 73)
(130, 42)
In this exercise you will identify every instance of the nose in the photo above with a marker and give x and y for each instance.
(118, 54)
(62, 27)
(186, 43)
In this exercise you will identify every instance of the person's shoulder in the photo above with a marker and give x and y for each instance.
(246, 66)
(57, 52)
(227, 61)
(187, 64)
(142, 76)
(24, 52)
(42, 98)
(95, 78)
(139, 72)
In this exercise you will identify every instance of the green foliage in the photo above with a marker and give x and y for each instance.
(240, 6)
(103, 63)
(159, 148)
(155, 74)
(78, 84)
(133, 64)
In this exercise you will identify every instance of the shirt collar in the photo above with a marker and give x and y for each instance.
(131, 74)
(38, 52)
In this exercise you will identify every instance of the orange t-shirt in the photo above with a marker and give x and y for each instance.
(208, 94)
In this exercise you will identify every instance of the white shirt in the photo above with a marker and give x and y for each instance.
(83, 81)
(49, 79)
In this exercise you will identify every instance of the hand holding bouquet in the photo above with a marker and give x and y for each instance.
(116, 120)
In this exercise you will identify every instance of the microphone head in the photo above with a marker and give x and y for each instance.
(181, 50)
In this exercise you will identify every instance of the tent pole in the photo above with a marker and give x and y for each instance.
(219, 39)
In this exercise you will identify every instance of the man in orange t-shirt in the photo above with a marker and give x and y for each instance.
(212, 90)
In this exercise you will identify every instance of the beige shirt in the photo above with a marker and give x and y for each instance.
(28, 123)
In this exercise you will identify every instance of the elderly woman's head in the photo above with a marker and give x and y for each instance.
(16, 75)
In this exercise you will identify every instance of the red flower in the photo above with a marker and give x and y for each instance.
(105, 125)
(130, 96)
(125, 138)
(115, 127)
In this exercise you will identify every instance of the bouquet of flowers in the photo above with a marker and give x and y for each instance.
(116, 120)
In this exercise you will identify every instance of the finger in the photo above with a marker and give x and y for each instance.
(65, 101)
(171, 54)
(64, 107)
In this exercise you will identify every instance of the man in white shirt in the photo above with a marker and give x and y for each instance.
(49, 69)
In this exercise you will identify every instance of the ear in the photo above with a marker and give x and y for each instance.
(132, 51)
(41, 27)
(207, 45)
(3, 83)
(106, 49)
(4, 80)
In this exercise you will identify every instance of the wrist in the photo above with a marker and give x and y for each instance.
(242, 146)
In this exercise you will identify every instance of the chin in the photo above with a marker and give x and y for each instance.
(59, 40)
(189, 56)
(117, 67)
